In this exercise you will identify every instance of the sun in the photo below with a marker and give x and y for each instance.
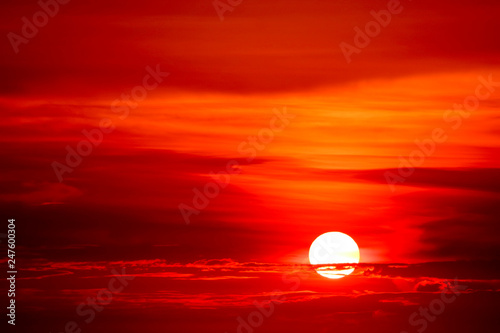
(334, 248)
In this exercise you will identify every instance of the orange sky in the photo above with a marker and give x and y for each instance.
(325, 170)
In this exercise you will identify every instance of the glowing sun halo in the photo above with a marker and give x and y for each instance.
(334, 248)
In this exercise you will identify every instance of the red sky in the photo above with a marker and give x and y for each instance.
(325, 171)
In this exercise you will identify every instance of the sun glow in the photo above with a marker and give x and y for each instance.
(334, 251)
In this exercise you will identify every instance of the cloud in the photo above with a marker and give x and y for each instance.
(205, 54)
(43, 193)
(223, 290)
(430, 286)
(479, 179)
(213, 269)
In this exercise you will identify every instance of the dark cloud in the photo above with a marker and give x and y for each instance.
(430, 286)
(217, 292)
(456, 237)
(475, 269)
(480, 179)
(97, 48)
